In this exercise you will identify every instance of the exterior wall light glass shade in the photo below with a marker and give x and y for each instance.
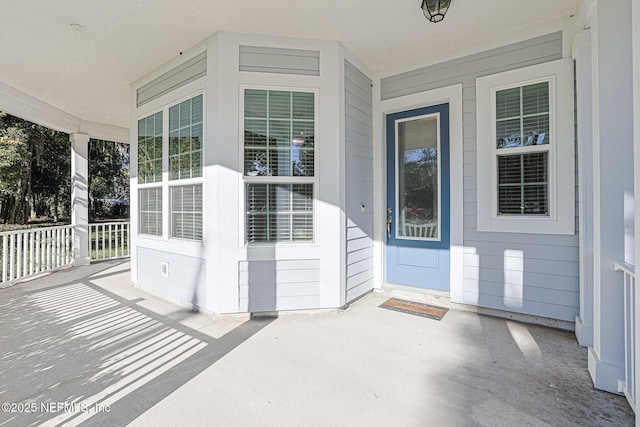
(434, 10)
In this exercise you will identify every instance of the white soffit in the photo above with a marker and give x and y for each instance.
(88, 73)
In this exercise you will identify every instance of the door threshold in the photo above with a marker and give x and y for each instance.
(417, 294)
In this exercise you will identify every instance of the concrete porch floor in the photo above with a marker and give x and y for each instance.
(84, 346)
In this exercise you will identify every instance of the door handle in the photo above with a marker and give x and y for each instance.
(389, 221)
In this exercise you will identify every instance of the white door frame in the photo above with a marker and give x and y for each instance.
(453, 96)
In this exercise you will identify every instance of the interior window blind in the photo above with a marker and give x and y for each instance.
(522, 143)
(186, 212)
(150, 201)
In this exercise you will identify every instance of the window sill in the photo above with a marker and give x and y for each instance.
(527, 225)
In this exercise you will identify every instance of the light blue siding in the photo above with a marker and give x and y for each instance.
(359, 181)
(261, 59)
(187, 275)
(528, 273)
(278, 285)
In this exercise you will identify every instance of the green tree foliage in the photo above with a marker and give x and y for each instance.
(34, 171)
(35, 174)
(421, 184)
(108, 179)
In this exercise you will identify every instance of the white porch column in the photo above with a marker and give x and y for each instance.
(582, 56)
(80, 196)
(612, 183)
(636, 144)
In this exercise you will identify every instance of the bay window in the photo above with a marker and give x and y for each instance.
(279, 165)
(170, 165)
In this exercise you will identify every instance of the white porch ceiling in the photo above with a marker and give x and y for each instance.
(88, 74)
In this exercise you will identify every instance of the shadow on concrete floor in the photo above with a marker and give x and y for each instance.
(71, 351)
(81, 341)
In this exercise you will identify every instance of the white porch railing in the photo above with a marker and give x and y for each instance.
(628, 385)
(109, 240)
(29, 252)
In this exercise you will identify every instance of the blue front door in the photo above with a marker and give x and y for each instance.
(418, 197)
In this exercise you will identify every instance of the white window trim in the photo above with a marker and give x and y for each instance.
(167, 183)
(561, 218)
(245, 179)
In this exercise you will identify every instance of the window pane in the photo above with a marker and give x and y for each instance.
(523, 184)
(186, 212)
(150, 211)
(535, 98)
(255, 133)
(508, 134)
(522, 116)
(255, 103)
(279, 104)
(279, 212)
(508, 103)
(150, 149)
(303, 105)
(418, 188)
(279, 145)
(536, 129)
(186, 139)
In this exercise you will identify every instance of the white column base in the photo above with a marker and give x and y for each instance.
(81, 261)
(605, 376)
(584, 333)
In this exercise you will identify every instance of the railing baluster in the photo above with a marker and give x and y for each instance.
(632, 337)
(103, 241)
(5, 242)
(97, 247)
(67, 243)
(19, 254)
(38, 233)
(116, 243)
(28, 252)
(25, 254)
(12, 256)
(629, 292)
(110, 254)
(31, 247)
(58, 247)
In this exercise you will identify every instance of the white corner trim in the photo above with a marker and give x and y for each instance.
(103, 131)
(453, 96)
(562, 159)
(582, 40)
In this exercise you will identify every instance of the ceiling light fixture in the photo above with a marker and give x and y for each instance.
(434, 10)
(78, 27)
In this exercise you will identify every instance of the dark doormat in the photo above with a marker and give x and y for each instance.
(415, 308)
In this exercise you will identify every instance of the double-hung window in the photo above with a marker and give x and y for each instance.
(525, 150)
(522, 149)
(170, 165)
(279, 165)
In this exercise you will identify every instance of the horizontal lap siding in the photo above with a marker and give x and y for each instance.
(278, 285)
(184, 73)
(528, 273)
(278, 60)
(187, 275)
(359, 181)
